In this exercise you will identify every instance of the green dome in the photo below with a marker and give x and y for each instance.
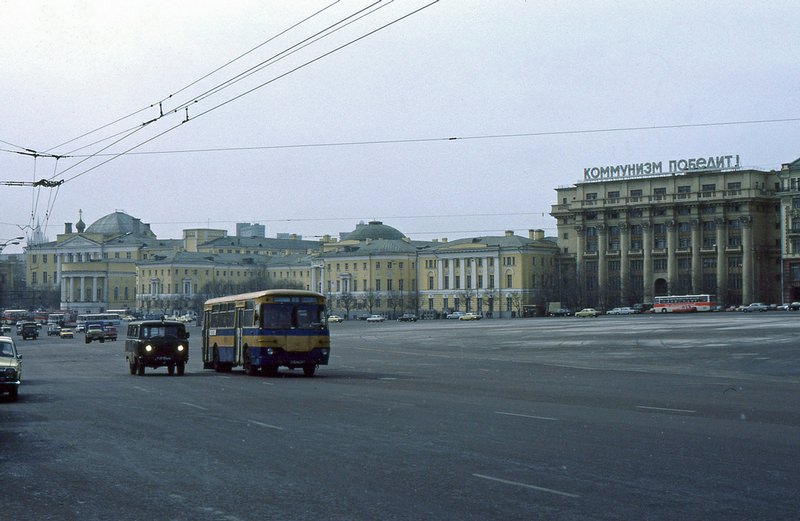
(120, 223)
(374, 230)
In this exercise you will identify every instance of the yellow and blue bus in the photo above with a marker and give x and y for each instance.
(265, 330)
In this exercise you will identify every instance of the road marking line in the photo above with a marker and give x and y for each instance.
(526, 416)
(195, 406)
(267, 425)
(142, 389)
(664, 409)
(533, 487)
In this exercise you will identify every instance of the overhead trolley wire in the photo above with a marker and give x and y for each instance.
(249, 91)
(152, 105)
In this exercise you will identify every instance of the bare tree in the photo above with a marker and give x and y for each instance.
(347, 301)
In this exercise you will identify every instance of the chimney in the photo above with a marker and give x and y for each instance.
(67, 227)
(536, 235)
(444, 239)
(509, 233)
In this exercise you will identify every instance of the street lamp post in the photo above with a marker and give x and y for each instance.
(5, 243)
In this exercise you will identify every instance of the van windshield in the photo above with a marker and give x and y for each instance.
(162, 331)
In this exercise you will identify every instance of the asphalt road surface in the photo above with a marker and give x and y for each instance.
(688, 417)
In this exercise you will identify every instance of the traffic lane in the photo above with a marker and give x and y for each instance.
(390, 422)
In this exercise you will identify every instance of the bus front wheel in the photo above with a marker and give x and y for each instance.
(309, 369)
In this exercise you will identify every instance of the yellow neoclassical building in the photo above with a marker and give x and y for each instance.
(629, 238)
(377, 269)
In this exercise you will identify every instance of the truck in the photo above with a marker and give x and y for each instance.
(94, 331)
(29, 330)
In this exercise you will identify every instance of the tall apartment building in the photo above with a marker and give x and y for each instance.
(631, 238)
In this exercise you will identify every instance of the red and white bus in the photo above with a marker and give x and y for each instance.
(683, 303)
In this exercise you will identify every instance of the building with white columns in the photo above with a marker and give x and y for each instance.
(631, 238)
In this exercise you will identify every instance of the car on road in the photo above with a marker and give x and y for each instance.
(66, 333)
(5, 329)
(455, 315)
(376, 318)
(560, 312)
(53, 330)
(587, 312)
(30, 330)
(334, 318)
(10, 367)
(621, 311)
(755, 306)
(94, 332)
(157, 343)
(470, 316)
(407, 317)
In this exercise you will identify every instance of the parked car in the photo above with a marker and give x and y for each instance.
(407, 317)
(364, 316)
(334, 318)
(621, 311)
(376, 318)
(794, 306)
(756, 306)
(587, 312)
(10, 367)
(455, 315)
(560, 312)
(469, 316)
(5, 329)
(66, 333)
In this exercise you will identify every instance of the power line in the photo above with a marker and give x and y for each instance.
(158, 103)
(458, 138)
(249, 91)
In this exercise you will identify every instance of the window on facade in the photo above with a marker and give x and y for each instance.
(377, 284)
(509, 281)
(430, 282)
(446, 282)
(591, 196)
(613, 195)
(636, 193)
(735, 185)
(794, 271)
(659, 191)
(685, 189)
(659, 264)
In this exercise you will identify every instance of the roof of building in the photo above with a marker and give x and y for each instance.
(119, 223)
(373, 230)
(261, 242)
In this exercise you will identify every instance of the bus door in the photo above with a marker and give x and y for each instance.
(238, 355)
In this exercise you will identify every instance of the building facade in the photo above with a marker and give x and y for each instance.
(630, 239)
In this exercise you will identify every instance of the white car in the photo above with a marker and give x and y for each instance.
(621, 311)
(456, 315)
(375, 318)
(334, 318)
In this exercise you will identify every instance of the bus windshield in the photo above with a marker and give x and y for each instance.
(287, 315)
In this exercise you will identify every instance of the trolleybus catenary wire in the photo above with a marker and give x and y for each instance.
(152, 105)
(242, 75)
(249, 91)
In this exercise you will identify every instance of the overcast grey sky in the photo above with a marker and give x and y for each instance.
(546, 72)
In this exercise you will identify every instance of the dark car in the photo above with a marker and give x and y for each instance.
(157, 343)
(407, 317)
(29, 330)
